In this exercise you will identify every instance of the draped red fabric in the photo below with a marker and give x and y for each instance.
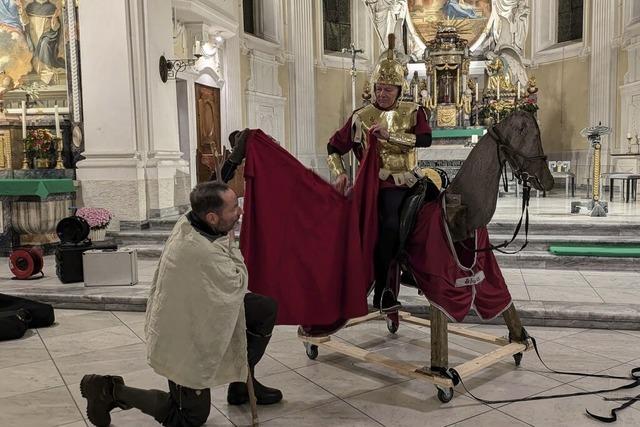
(311, 248)
(305, 244)
(436, 269)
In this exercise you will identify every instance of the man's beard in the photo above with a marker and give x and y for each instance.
(227, 227)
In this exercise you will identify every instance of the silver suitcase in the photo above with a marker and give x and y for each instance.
(110, 268)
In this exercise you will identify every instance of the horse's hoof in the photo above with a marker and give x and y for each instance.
(392, 325)
(517, 358)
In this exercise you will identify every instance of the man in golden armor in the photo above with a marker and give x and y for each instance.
(400, 127)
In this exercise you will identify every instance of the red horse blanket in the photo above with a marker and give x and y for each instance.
(311, 248)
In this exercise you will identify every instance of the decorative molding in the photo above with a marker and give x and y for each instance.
(342, 62)
(249, 42)
(267, 113)
(74, 63)
(264, 74)
(630, 40)
(219, 20)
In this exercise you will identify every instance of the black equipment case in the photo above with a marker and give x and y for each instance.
(73, 232)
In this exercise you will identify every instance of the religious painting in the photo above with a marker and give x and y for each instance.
(32, 47)
(469, 17)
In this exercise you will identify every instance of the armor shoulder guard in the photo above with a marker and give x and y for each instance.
(367, 112)
(363, 119)
(409, 109)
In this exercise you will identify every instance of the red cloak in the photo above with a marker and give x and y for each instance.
(311, 248)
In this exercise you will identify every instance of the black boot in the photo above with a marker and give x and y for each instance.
(238, 394)
(98, 390)
(376, 300)
(388, 302)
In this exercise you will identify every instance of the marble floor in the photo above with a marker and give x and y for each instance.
(40, 375)
(557, 208)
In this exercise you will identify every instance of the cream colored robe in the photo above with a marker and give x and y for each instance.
(195, 324)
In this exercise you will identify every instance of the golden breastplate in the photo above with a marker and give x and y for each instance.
(402, 119)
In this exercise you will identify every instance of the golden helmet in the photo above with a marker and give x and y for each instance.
(389, 69)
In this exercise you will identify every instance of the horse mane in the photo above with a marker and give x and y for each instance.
(472, 196)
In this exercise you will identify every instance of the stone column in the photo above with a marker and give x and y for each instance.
(232, 90)
(630, 100)
(111, 174)
(133, 163)
(166, 173)
(602, 95)
(300, 21)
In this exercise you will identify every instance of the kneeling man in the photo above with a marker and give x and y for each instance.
(202, 327)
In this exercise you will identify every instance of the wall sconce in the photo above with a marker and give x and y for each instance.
(170, 67)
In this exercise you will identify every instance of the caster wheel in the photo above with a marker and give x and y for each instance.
(445, 395)
(517, 358)
(392, 325)
(312, 350)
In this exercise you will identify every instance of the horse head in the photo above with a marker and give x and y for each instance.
(519, 144)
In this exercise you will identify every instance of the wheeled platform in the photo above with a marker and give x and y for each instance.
(439, 331)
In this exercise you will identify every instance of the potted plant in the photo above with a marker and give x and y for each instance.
(39, 145)
(98, 220)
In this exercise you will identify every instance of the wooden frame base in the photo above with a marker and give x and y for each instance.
(411, 370)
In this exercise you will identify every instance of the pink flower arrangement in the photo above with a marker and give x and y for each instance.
(96, 217)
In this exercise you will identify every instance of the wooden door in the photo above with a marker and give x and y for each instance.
(208, 128)
(209, 136)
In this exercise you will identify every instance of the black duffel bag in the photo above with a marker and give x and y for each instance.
(18, 314)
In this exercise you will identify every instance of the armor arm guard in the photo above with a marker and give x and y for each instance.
(406, 140)
(336, 166)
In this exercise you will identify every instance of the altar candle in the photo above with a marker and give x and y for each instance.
(476, 91)
(518, 93)
(498, 92)
(57, 119)
(24, 120)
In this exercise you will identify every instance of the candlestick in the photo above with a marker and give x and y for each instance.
(57, 120)
(24, 120)
(59, 161)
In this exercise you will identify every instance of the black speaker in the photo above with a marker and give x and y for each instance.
(69, 259)
(73, 229)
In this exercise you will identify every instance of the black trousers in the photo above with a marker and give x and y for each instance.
(389, 207)
(186, 407)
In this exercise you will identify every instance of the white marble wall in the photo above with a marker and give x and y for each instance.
(630, 88)
(133, 164)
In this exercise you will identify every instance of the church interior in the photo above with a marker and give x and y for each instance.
(117, 127)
